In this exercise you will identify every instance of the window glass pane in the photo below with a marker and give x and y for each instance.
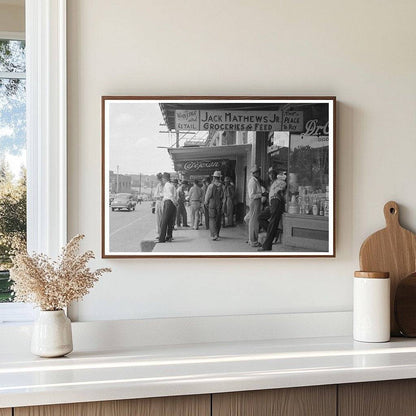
(12, 56)
(12, 171)
(309, 174)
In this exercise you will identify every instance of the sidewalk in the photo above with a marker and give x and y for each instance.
(232, 240)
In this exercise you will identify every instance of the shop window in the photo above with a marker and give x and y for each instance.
(308, 175)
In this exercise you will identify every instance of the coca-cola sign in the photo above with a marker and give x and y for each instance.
(201, 165)
(313, 128)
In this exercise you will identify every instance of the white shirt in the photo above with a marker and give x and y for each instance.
(274, 190)
(169, 192)
(254, 189)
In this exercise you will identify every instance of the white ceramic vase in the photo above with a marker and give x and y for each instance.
(52, 334)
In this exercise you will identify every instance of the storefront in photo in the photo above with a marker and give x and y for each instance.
(295, 144)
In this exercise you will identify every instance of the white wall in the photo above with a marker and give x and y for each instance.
(12, 18)
(361, 51)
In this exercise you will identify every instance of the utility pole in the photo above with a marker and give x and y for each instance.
(140, 183)
(118, 167)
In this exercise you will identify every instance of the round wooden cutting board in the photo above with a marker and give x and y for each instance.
(393, 250)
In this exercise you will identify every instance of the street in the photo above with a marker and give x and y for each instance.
(127, 229)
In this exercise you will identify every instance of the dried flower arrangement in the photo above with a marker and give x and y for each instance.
(53, 285)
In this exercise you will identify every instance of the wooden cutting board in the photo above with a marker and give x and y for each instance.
(393, 250)
(405, 306)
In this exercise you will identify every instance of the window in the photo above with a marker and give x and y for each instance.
(45, 89)
(12, 154)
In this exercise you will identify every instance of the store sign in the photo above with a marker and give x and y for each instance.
(312, 128)
(235, 120)
(303, 140)
(240, 120)
(293, 121)
(203, 166)
(187, 120)
(205, 120)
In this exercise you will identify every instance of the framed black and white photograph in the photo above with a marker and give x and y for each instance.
(218, 176)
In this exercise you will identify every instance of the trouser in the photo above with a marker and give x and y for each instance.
(159, 213)
(181, 216)
(215, 221)
(201, 214)
(253, 221)
(173, 218)
(264, 218)
(228, 212)
(206, 215)
(195, 208)
(168, 220)
(275, 216)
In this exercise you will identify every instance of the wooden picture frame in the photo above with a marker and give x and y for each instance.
(194, 137)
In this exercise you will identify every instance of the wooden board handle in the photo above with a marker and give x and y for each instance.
(391, 214)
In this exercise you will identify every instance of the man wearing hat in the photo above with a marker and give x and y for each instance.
(228, 208)
(169, 209)
(159, 202)
(195, 199)
(175, 182)
(181, 216)
(277, 207)
(205, 183)
(254, 195)
(213, 201)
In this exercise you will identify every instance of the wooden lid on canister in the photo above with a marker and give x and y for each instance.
(372, 275)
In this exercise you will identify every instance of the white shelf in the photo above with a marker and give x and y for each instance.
(150, 371)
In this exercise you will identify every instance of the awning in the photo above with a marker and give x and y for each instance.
(215, 152)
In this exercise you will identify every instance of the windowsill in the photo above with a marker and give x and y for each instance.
(16, 313)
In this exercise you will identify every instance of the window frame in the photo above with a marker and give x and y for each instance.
(46, 137)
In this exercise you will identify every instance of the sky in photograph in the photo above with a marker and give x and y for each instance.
(134, 138)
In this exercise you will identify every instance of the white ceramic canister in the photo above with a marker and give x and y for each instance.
(52, 334)
(371, 307)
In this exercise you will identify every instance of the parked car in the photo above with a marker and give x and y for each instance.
(123, 201)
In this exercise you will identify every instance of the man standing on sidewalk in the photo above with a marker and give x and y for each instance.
(277, 207)
(229, 193)
(195, 200)
(159, 202)
(213, 201)
(206, 183)
(176, 185)
(254, 195)
(169, 209)
(181, 216)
